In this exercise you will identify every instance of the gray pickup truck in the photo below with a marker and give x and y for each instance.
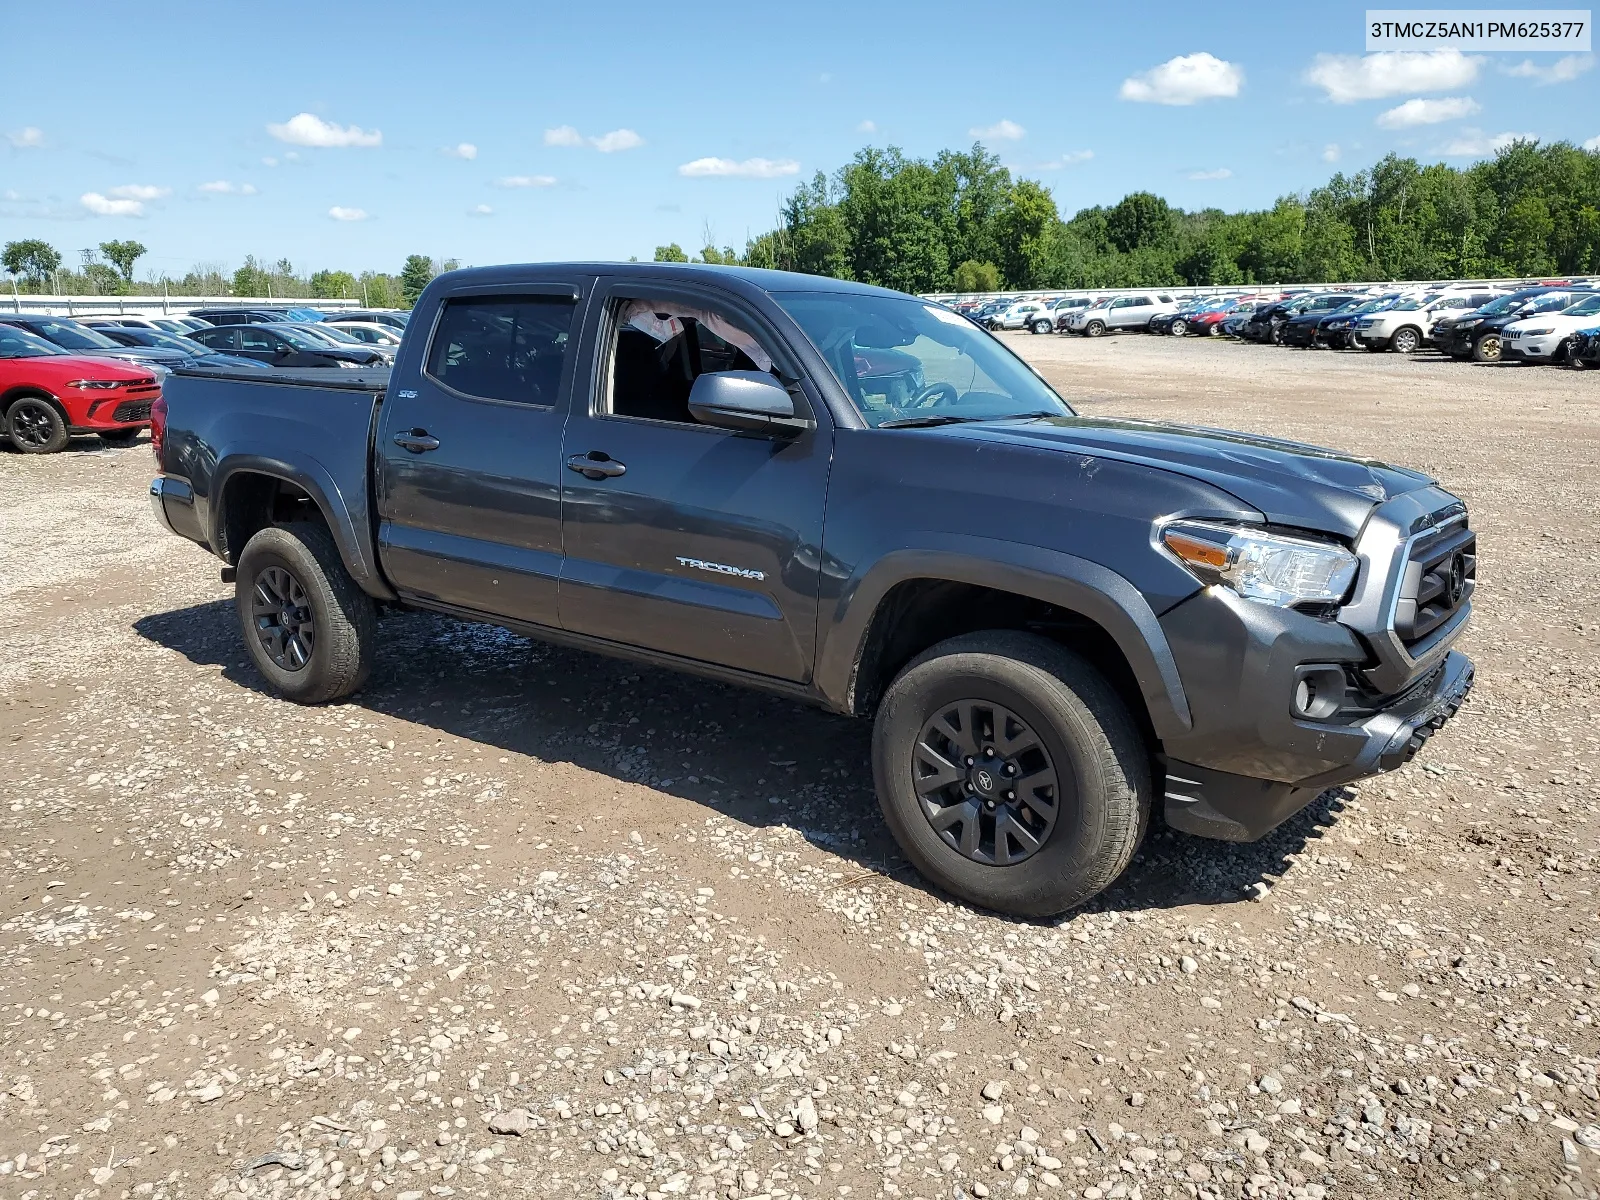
(861, 501)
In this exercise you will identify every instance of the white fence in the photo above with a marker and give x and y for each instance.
(148, 306)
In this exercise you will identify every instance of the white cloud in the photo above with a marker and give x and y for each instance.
(750, 168)
(1186, 79)
(224, 187)
(1593, 143)
(140, 191)
(526, 181)
(29, 137)
(1331, 152)
(867, 127)
(1070, 159)
(1428, 112)
(1474, 143)
(1217, 173)
(480, 210)
(13, 194)
(269, 161)
(617, 139)
(1347, 78)
(104, 207)
(1000, 131)
(340, 213)
(563, 135)
(464, 150)
(1563, 70)
(304, 129)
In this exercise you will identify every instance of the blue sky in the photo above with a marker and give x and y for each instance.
(352, 135)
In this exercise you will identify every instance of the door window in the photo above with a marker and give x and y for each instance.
(252, 337)
(662, 347)
(509, 348)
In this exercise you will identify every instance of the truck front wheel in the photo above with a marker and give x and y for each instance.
(1011, 773)
(309, 629)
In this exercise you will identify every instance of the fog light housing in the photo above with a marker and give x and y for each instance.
(1318, 691)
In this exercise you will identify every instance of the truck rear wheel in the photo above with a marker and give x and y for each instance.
(1011, 773)
(309, 629)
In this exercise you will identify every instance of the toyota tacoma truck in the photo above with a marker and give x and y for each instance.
(861, 501)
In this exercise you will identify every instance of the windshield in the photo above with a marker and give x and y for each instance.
(901, 358)
(299, 340)
(1505, 304)
(1584, 307)
(14, 343)
(1554, 302)
(174, 342)
(73, 336)
(303, 314)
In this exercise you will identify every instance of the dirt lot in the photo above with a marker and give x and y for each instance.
(518, 921)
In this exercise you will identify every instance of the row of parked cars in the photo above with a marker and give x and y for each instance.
(102, 374)
(1555, 321)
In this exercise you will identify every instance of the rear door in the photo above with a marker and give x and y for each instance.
(683, 538)
(469, 453)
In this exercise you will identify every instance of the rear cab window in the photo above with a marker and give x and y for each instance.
(511, 349)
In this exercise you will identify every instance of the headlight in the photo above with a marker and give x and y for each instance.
(1538, 332)
(1269, 567)
(97, 385)
(1467, 322)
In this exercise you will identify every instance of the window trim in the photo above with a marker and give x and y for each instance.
(569, 293)
(624, 291)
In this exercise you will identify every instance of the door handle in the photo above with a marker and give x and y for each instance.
(596, 464)
(416, 440)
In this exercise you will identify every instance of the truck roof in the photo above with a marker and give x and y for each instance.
(741, 278)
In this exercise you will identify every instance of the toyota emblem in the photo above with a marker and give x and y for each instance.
(985, 781)
(1458, 579)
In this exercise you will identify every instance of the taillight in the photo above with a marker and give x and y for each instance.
(158, 425)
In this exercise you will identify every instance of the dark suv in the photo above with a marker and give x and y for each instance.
(1476, 334)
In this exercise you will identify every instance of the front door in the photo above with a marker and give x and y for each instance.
(683, 538)
(469, 485)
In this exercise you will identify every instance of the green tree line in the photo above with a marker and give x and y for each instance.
(961, 222)
(36, 267)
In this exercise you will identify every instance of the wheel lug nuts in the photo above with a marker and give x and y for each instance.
(970, 760)
(988, 751)
(1011, 795)
(988, 804)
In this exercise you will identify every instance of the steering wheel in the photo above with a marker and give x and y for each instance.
(934, 395)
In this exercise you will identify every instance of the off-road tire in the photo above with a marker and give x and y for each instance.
(343, 616)
(1101, 760)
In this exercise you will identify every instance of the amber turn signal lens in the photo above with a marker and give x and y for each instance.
(1196, 552)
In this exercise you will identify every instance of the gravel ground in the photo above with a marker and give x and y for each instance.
(518, 921)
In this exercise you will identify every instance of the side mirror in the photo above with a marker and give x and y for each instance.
(284, 350)
(747, 401)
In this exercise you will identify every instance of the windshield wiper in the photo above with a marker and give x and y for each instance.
(933, 419)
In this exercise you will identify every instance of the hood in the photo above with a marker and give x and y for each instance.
(1287, 482)
(149, 354)
(107, 365)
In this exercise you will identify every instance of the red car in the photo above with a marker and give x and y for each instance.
(47, 394)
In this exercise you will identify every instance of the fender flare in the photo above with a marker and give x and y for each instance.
(349, 535)
(1056, 578)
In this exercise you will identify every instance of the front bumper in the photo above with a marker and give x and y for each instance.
(1531, 349)
(1251, 757)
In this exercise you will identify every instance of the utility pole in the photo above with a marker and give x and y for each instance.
(16, 300)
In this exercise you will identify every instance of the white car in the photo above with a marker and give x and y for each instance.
(1120, 312)
(369, 332)
(1543, 338)
(1408, 323)
(1022, 315)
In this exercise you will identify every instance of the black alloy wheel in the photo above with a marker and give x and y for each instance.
(36, 427)
(986, 783)
(282, 618)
